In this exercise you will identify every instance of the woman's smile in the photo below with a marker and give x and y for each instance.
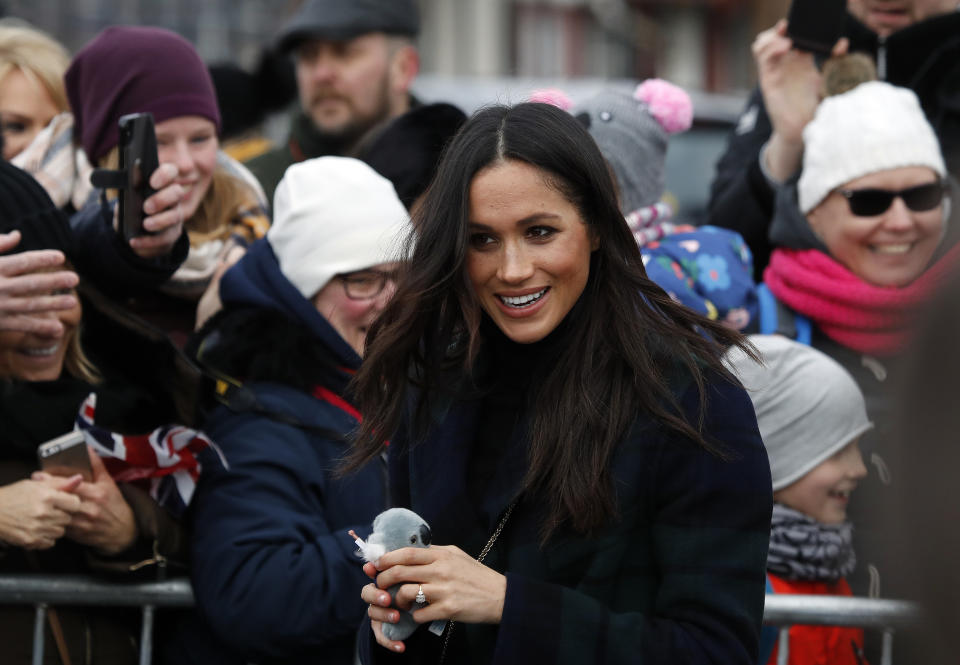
(524, 304)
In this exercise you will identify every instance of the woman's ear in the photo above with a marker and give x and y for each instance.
(594, 239)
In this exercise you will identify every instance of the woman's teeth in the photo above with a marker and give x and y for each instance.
(893, 249)
(49, 351)
(522, 301)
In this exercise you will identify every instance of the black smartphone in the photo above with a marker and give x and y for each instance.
(138, 161)
(66, 455)
(816, 25)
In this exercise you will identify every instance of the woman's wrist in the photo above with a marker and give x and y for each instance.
(780, 158)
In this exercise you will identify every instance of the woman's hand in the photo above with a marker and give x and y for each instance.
(456, 586)
(209, 303)
(34, 513)
(164, 218)
(379, 611)
(29, 286)
(104, 519)
(790, 83)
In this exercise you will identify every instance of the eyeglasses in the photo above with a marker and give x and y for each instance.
(872, 202)
(365, 284)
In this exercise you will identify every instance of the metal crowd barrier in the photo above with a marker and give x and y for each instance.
(785, 610)
(782, 610)
(42, 591)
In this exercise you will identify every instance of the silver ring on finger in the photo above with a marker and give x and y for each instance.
(421, 598)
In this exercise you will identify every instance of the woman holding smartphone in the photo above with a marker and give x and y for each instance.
(553, 413)
(215, 200)
(65, 524)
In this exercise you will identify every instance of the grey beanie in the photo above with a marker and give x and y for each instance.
(808, 406)
(632, 130)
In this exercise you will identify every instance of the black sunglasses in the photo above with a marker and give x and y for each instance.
(872, 202)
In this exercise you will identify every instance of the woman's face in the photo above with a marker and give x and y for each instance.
(529, 250)
(892, 248)
(824, 492)
(25, 109)
(33, 357)
(351, 316)
(190, 143)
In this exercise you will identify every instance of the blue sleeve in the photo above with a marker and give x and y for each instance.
(274, 571)
(106, 260)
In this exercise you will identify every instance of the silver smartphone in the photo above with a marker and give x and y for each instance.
(65, 456)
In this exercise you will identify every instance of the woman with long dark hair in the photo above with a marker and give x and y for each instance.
(554, 413)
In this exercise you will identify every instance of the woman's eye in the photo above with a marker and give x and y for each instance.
(480, 240)
(201, 139)
(13, 127)
(540, 231)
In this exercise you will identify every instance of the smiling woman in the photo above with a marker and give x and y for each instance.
(218, 204)
(296, 311)
(862, 232)
(31, 84)
(529, 252)
(65, 524)
(542, 395)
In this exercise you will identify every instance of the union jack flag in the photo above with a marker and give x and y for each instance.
(167, 461)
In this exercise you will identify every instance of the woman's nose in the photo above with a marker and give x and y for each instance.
(898, 217)
(515, 266)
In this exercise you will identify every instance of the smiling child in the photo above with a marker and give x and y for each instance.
(811, 416)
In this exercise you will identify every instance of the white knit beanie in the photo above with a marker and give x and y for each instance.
(334, 215)
(873, 127)
(808, 407)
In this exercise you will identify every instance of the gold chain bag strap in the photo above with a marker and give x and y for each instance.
(480, 558)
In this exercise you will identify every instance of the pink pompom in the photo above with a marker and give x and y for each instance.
(668, 103)
(553, 96)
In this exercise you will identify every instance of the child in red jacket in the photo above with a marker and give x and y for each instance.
(811, 415)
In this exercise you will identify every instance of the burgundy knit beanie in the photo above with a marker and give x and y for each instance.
(127, 69)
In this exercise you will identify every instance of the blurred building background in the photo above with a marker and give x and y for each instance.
(700, 44)
(475, 52)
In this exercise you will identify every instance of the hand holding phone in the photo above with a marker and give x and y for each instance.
(137, 146)
(138, 159)
(66, 455)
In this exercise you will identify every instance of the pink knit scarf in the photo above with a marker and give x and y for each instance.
(861, 316)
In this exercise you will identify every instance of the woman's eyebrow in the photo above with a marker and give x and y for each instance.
(526, 221)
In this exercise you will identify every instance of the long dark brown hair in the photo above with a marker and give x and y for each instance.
(626, 340)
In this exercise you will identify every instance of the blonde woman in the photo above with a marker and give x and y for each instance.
(31, 84)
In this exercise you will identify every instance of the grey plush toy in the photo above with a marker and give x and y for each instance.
(393, 529)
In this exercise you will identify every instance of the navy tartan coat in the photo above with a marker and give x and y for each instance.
(678, 577)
